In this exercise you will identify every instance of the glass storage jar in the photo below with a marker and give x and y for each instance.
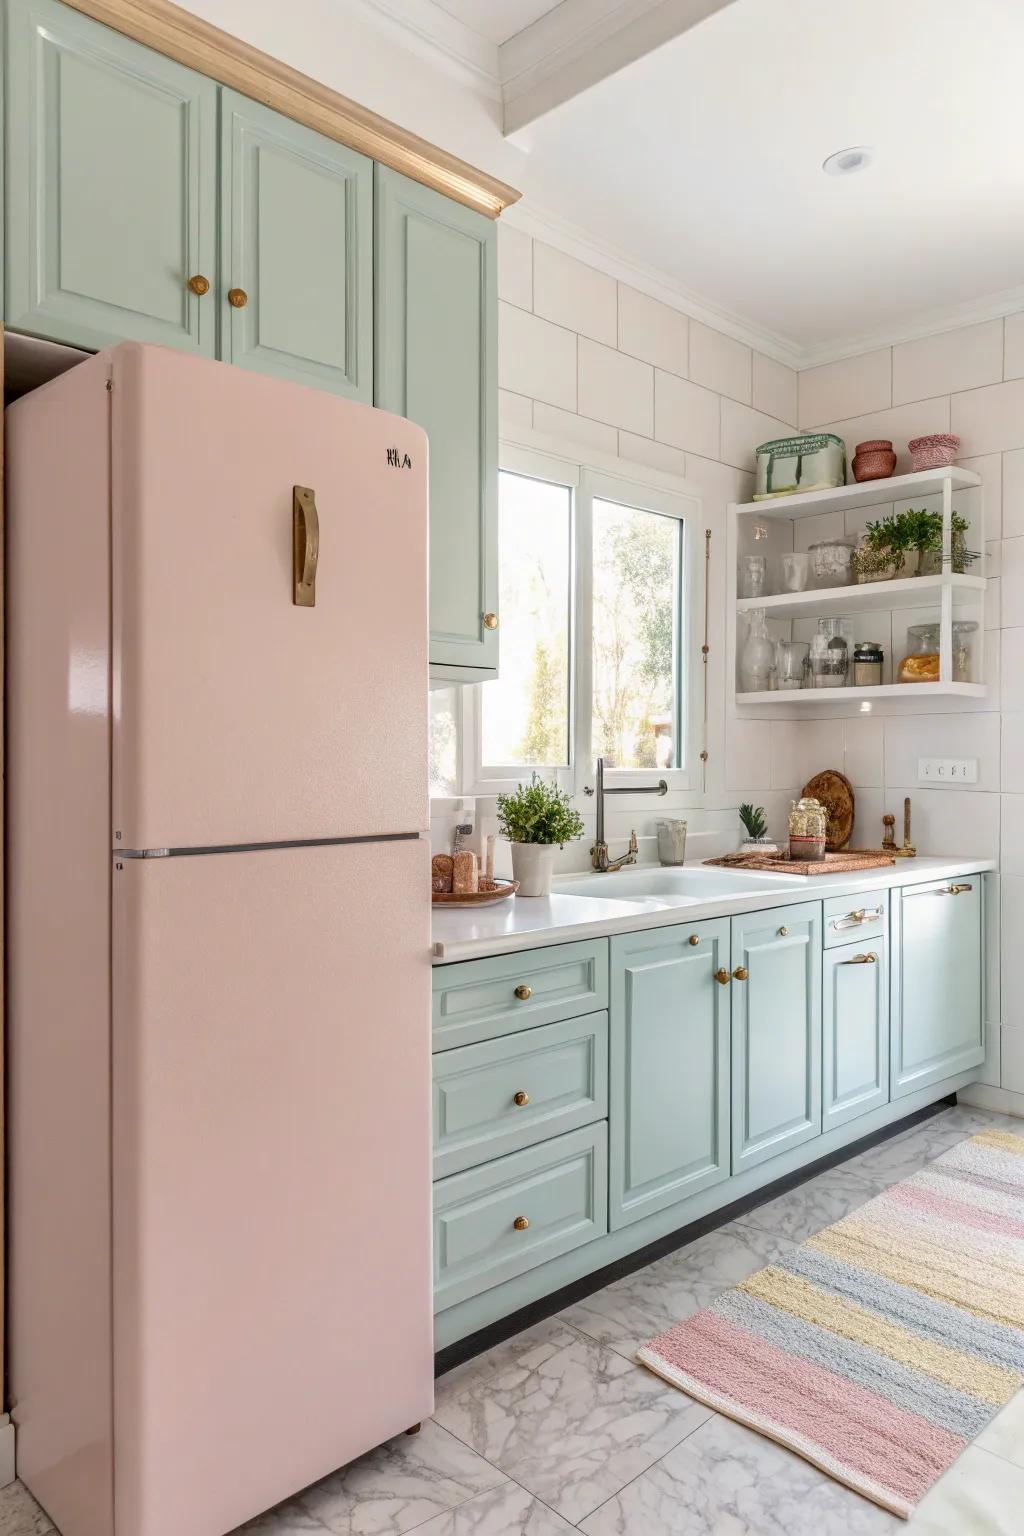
(829, 662)
(868, 659)
(922, 662)
(757, 659)
(792, 663)
(753, 575)
(831, 563)
(808, 825)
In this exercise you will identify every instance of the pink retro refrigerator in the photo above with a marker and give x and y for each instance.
(220, 1281)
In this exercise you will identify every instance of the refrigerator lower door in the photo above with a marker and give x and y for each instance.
(271, 1174)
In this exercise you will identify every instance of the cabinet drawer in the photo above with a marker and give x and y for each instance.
(481, 999)
(504, 1094)
(557, 1192)
(848, 919)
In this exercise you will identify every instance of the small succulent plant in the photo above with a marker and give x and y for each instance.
(755, 823)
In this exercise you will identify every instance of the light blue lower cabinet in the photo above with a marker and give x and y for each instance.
(855, 1031)
(937, 990)
(481, 999)
(776, 1032)
(669, 1090)
(509, 1093)
(497, 1221)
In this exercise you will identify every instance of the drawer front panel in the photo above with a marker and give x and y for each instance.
(855, 1032)
(482, 999)
(557, 1193)
(496, 1097)
(849, 919)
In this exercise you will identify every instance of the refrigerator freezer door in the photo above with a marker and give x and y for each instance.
(242, 714)
(271, 1174)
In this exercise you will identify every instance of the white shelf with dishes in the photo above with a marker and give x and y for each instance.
(887, 621)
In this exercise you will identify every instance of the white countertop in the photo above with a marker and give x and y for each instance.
(530, 922)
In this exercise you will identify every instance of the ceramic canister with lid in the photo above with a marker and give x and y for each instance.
(808, 827)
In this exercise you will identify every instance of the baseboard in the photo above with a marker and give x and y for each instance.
(7, 1469)
(1000, 1100)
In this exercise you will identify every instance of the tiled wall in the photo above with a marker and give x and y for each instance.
(971, 382)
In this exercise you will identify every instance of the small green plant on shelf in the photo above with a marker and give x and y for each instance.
(538, 813)
(755, 824)
(886, 544)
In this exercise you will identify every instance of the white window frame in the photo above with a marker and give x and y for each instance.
(603, 478)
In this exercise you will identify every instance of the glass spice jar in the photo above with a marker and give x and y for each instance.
(808, 826)
(868, 659)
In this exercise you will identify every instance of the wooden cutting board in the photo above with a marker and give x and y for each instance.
(835, 792)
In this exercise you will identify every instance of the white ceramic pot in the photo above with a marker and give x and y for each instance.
(533, 865)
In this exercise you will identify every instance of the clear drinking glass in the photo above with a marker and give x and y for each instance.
(794, 572)
(672, 842)
(792, 661)
(753, 575)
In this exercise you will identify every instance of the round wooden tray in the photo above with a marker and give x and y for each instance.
(835, 793)
(490, 891)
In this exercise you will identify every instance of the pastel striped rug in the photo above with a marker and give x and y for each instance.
(885, 1343)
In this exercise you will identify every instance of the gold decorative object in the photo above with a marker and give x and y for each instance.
(889, 836)
(740, 973)
(237, 298)
(694, 939)
(861, 960)
(199, 285)
(723, 978)
(521, 1223)
(305, 546)
(783, 932)
(521, 1098)
(908, 851)
(490, 621)
(524, 993)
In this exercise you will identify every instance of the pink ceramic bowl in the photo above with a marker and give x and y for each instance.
(933, 452)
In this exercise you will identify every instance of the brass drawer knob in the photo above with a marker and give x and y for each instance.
(490, 621)
(958, 890)
(740, 973)
(199, 285)
(237, 298)
(521, 1098)
(862, 960)
(783, 932)
(521, 1223)
(722, 977)
(694, 939)
(524, 993)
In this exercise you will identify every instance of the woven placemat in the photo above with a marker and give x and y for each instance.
(846, 863)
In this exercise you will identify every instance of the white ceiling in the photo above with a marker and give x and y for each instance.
(498, 20)
(702, 161)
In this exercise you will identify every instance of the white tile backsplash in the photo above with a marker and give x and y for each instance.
(574, 295)
(748, 745)
(536, 358)
(849, 388)
(652, 331)
(719, 363)
(514, 410)
(644, 450)
(909, 737)
(515, 266)
(990, 420)
(899, 425)
(1011, 569)
(954, 360)
(1011, 840)
(1013, 494)
(1011, 668)
(574, 429)
(743, 429)
(865, 751)
(1013, 346)
(686, 415)
(803, 748)
(616, 389)
(775, 388)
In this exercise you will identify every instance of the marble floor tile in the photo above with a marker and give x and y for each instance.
(630, 1311)
(20, 1515)
(289, 1519)
(525, 1351)
(811, 1206)
(1004, 1436)
(574, 1427)
(980, 1495)
(505, 1511)
(725, 1480)
(400, 1485)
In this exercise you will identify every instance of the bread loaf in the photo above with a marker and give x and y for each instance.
(465, 879)
(441, 868)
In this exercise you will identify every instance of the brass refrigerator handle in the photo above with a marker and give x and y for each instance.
(305, 546)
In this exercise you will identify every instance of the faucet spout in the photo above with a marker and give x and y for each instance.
(599, 852)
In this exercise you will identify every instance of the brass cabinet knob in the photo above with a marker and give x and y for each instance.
(722, 977)
(858, 916)
(237, 298)
(490, 621)
(783, 932)
(740, 973)
(695, 939)
(958, 890)
(524, 993)
(521, 1098)
(199, 285)
(521, 1223)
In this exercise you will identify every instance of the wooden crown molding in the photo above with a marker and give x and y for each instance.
(203, 47)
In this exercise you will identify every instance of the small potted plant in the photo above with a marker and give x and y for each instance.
(882, 551)
(755, 826)
(537, 818)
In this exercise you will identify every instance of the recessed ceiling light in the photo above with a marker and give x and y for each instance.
(845, 161)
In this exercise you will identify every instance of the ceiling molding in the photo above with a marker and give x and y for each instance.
(952, 317)
(582, 42)
(574, 241)
(442, 38)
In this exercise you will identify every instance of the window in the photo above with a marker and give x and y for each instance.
(593, 629)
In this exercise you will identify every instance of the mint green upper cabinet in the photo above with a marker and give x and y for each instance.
(937, 1015)
(297, 239)
(855, 1032)
(436, 361)
(111, 171)
(669, 1102)
(776, 1032)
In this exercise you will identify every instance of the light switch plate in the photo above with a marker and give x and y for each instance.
(947, 770)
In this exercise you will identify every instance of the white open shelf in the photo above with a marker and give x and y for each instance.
(871, 597)
(902, 691)
(867, 493)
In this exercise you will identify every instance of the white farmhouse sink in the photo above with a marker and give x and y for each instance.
(681, 885)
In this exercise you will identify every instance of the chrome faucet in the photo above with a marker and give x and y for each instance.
(599, 853)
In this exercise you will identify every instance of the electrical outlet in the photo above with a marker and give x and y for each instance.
(947, 770)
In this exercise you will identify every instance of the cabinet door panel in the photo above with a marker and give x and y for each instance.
(669, 1105)
(111, 185)
(776, 1032)
(296, 236)
(855, 1030)
(435, 340)
(938, 1026)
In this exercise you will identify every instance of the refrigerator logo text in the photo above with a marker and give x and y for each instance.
(399, 460)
